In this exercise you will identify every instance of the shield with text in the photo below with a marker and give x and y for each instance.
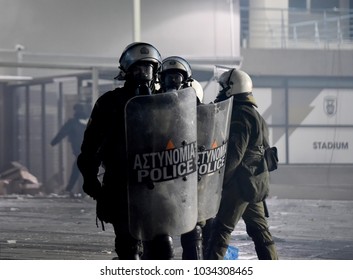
(162, 163)
(213, 122)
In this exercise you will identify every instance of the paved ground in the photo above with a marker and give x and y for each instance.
(62, 228)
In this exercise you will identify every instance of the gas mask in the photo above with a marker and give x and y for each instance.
(142, 76)
(172, 80)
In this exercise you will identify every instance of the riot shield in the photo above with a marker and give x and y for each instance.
(213, 122)
(162, 163)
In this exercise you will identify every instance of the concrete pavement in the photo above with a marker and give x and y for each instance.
(61, 228)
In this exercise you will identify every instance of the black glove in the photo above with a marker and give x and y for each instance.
(92, 187)
(107, 206)
(102, 209)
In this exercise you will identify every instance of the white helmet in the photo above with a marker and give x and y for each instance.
(175, 73)
(238, 84)
(177, 63)
(198, 89)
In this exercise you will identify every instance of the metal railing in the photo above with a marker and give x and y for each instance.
(299, 29)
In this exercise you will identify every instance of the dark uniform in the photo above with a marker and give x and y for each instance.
(104, 144)
(247, 131)
(73, 129)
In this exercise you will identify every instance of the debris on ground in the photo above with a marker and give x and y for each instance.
(18, 180)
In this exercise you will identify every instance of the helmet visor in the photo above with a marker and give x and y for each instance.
(142, 72)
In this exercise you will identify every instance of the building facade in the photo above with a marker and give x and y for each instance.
(299, 54)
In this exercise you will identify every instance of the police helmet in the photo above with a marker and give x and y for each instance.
(238, 84)
(198, 89)
(176, 63)
(139, 51)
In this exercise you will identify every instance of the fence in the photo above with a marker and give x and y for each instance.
(293, 28)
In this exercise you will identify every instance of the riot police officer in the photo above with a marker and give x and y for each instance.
(176, 73)
(159, 187)
(104, 144)
(246, 139)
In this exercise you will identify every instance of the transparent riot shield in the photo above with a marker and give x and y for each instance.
(162, 163)
(213, 122)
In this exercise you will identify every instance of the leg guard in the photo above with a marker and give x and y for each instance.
(126, 247)
(161, 248)
(206, 232)
(191, 242)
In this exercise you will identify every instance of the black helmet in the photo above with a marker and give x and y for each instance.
(139, 51)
